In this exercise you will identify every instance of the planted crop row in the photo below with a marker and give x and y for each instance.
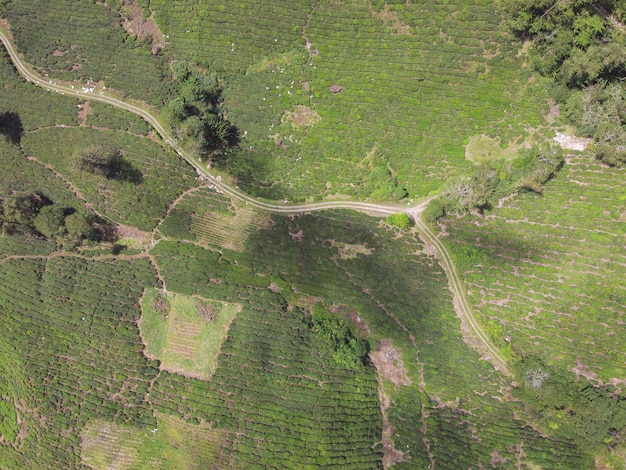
(158, 176)
(177, 224)
(79, 345)
(564, 248)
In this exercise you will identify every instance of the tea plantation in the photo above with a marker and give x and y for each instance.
(153, 319)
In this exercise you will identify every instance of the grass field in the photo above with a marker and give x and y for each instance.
(171, 444)
(185, 333)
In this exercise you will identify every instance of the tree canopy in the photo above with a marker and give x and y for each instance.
(581, 44)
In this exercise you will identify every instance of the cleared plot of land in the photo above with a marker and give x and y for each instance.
(228, 229)
(546, 272)
(173, 444)
(185, 332)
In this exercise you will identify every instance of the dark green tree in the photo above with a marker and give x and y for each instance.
(79, 227)
(50, 221)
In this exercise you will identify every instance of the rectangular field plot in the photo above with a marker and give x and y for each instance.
(172, 444)
(226, 229)
(185, 332)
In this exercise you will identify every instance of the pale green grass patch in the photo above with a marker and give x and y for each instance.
(482, 148)
(185, 332)
(173, 444)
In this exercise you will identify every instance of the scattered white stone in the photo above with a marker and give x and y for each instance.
(571, 143)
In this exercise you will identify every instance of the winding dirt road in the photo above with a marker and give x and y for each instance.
(456, 285)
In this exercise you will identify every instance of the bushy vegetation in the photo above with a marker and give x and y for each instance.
(92, 45)
(400, 220)
(347, 349)
(495, 180)
(595, 416)
(426, 76)
(194, 115)
(129, 180)
(581, 45)
(546, 270)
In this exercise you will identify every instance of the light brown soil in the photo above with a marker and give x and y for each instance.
(136, 25)
(126, 231)
(302, 116)
(390, 20)
(85, 110)
(389, 364)
(206, 311)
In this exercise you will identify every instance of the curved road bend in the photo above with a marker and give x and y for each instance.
(415, 211)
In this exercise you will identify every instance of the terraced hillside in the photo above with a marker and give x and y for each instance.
(554, 262)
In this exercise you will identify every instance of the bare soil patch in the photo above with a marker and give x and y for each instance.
(390, 20)
(134, 236)
(571, 143)
(206, 311)
(136, 25)
(84, 111)
(389, 364)
(302, 116)
(348, 251)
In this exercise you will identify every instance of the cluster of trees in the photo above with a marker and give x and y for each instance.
(195, 115)
(594, 416)
(35, 214)
(491, 181)
(599, 111)
(347, 349)
(582, 45)
(11, 127)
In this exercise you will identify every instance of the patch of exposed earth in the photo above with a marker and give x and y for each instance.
(301, 116)
(572, 143)
(136, 25)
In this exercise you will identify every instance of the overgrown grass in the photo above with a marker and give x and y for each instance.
(185, 333)
(173, 443)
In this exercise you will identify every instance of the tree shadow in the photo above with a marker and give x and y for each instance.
(249, 167)
(11, 127)
(120, 169)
